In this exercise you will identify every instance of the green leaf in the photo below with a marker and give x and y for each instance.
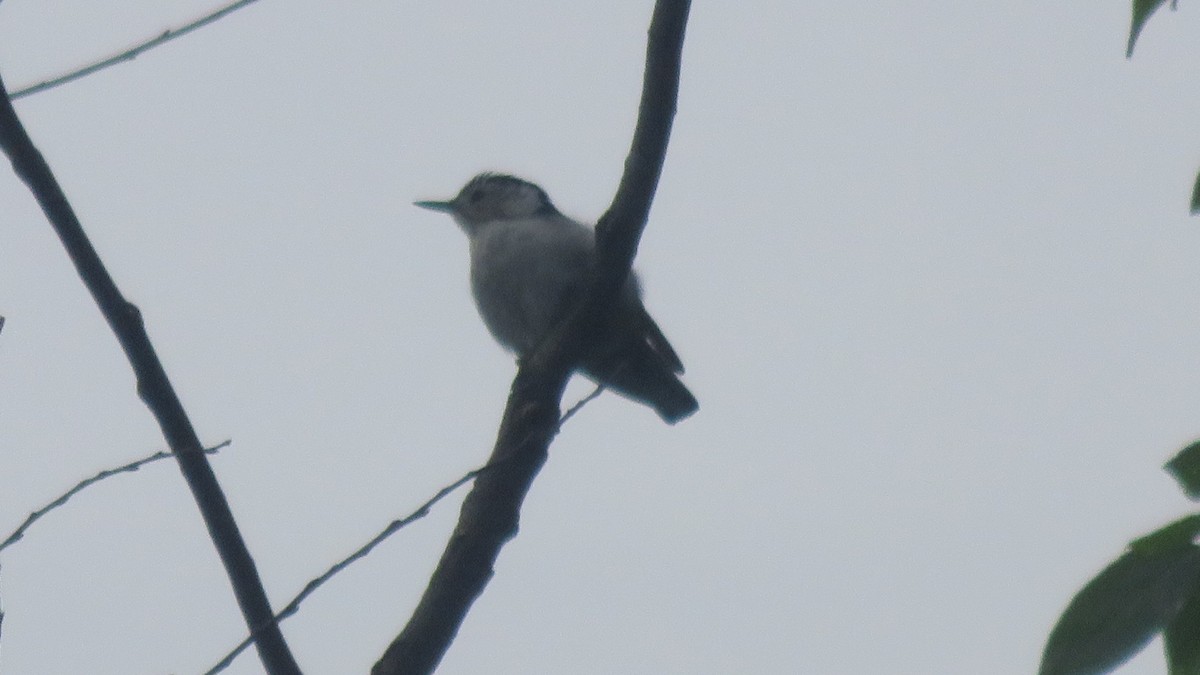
(1120, 610)
(1196, 196)
(1181, 639)
(1185, 466)
(1142, 9)
(1176, 536)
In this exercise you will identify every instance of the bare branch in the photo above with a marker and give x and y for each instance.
(491, 511)
(81, 485)
(579, 406)
(131, 53)
(153, 387)
(393, 527)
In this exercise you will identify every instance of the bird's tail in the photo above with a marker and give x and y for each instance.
(662, 390)
(643, 367)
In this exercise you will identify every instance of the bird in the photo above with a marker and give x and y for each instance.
(530, 264)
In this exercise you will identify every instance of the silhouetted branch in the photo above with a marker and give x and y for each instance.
(133, 52)
(393, 527)
(491, 511)
(153, 387)
(81, 485)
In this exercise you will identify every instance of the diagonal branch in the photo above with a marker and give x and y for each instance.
(490, 512)
(132, 52)
(393, 527)
(153, 387)
(363, 551)
(62, 499)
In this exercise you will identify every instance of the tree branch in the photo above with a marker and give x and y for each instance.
(62, 499)
(393, 527)
(132, 52)
(153, 387)
(490, 512)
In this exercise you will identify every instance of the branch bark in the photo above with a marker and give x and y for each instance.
(491, 512)
(153, 387)
(130, 53)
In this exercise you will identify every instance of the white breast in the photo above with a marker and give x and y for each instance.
(524, 273)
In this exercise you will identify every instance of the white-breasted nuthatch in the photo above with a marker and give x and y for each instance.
(529, 265)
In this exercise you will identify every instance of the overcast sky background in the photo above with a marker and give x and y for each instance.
(929, 266)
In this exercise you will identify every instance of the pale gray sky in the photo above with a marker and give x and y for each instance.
(929, 265)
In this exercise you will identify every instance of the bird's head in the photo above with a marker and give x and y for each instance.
(492, 197)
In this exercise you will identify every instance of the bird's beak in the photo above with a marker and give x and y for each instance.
(445, 207)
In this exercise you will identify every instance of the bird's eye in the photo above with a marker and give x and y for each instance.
(476, 196)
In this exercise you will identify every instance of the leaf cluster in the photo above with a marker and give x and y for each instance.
(1152, 588)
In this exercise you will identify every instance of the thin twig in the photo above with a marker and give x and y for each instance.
(292, 607)
(396, 525)
(579, 406)
(133, 52)
(81, 485)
